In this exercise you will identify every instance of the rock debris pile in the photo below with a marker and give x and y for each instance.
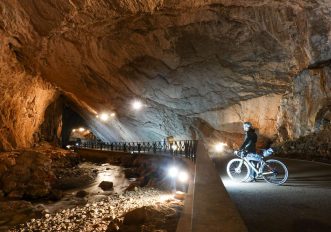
(316, 146)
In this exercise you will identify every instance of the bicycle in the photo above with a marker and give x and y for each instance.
(243, 168)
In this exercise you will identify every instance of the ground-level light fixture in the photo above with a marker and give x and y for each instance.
(174, 147)
(81, 129)
(219, 147)
(73, 130)
(172, 171)
(112, 115)
(183, 176)
(137, 105)
(180, 175)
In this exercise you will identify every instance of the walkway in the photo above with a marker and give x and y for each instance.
(303, 204)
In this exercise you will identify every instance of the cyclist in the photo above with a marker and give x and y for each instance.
(249, 144)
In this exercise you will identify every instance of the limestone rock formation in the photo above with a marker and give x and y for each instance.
(33, 173)
(306, 108)
(200, 67)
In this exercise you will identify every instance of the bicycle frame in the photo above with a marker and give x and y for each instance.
(258, 172)
(271, 170)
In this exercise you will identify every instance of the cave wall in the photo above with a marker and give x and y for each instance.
(24, 97)
(199, 66)
(261, 112)
(52, 126)
(310, 94)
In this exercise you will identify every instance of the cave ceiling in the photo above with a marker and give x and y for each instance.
(181, 58)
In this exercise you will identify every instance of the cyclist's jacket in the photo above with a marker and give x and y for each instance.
(250, 141)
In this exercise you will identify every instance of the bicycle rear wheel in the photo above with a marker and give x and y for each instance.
(238, 170)
(274, 172)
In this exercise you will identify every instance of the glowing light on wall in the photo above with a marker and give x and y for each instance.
(137, 105)
(219, 147)
(104, 117)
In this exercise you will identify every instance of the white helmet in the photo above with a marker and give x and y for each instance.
(247, 125)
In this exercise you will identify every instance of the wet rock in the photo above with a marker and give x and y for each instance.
(136, 216)
(75, 178)
(130, 173)
(13, 212)
(81, 194)
(106, 185)
(132, 187)
(112, 227)
(99, 215)
(55, 195)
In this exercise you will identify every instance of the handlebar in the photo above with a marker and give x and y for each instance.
(240, 153)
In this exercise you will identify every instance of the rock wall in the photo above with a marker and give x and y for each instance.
(32, 173)
(314, 146)
(191, 62)
(24, 97)
(261, 112)
(306, 108)
(23, 101)
(304, 120)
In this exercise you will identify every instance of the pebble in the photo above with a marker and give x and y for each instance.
(95, 216)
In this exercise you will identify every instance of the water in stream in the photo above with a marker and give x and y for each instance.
(105, 172)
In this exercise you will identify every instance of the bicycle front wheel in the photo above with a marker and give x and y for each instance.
(274, 172)
(238, 170)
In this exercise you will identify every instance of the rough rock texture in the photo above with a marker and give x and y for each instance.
(32, 173)
(192, 62)
(306, 108)
(304, 120)
(315, 146)
(107, 214)
(24, 96)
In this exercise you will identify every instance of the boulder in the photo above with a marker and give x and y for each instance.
(136, 216)
(81, 194)
(112, 227)
(106, 185)
(132, 187)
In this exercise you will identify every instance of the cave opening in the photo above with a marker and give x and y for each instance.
(71, 70)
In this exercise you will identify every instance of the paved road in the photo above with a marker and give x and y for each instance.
(302, 204)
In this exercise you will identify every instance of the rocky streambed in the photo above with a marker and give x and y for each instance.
(126, 193)
(145, 209)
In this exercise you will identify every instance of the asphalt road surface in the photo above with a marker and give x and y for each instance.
(302, 204)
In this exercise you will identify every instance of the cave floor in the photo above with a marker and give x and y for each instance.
(301, 204)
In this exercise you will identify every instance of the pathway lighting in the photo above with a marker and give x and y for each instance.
(219, 147)
(73, 130)
(112, 115)
(81, 129)
(137, 105)
(172, 171)
(183, 176)
(104, 117)
(174, 147)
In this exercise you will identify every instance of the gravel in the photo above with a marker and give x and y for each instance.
(98, 215)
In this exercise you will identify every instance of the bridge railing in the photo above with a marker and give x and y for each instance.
(182, 148)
